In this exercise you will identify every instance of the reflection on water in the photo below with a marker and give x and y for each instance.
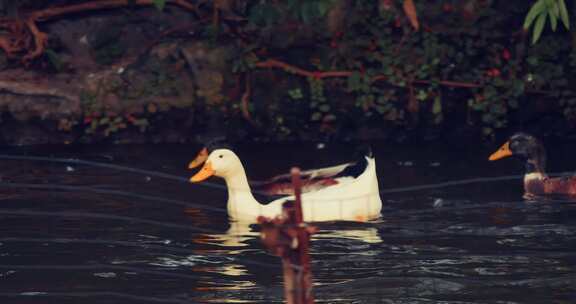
(240, 233)
(367, 234)
(469, 243)
(236, 236)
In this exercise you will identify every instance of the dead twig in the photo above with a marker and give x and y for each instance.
(272, 63)
(245, 100)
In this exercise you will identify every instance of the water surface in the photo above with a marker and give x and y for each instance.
(96, 235)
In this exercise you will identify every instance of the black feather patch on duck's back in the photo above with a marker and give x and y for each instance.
(283, 185)
(313, 180)
(357, 168)
(354, 169)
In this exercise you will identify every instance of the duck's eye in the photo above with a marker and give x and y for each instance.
(221, 156)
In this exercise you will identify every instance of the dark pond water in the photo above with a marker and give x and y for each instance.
(73, 233)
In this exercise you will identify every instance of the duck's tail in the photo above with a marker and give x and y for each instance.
(359, 166)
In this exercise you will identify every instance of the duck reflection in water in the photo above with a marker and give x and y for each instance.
(347, 192)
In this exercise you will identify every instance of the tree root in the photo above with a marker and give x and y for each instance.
(24, 39)
(36, 89)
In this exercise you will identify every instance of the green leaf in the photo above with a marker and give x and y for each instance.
(563, 13)
(422, 95)
(553, 19)
(296, 93)
(490, 92)
(532, 60)
(309, 11)
(324, 108)
(437, 107)
(487, 118)
(549, 4)
(324, 7)
(256, 13)
(354, 81)
(160, 4)
(556, 9)
(518, 88)
(499, 82)
(497, 109)
(537, 9)
(479, 106)
(270, 14)
(316, 116)
(291, 4)
(538, 27)
(513, 103)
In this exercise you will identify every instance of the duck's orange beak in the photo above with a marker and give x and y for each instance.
(504, 151)
(200, 159)
(203, 174)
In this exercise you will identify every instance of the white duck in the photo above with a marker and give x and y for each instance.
(312, 180)
(351, 198)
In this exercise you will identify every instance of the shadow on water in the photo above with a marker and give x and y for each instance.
(97, 235)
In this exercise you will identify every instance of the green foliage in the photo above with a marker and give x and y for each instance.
(362, 61)
(275, 12)
(543, 10)
(396, 73)
(318, 102)
(108, 125)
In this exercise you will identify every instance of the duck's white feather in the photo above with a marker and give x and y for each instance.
(352, 199)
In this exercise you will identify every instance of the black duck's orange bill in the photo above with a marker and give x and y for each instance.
(504, 151)
(203, 174)
(200, 159)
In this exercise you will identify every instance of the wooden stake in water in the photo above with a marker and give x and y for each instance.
(289, 238)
